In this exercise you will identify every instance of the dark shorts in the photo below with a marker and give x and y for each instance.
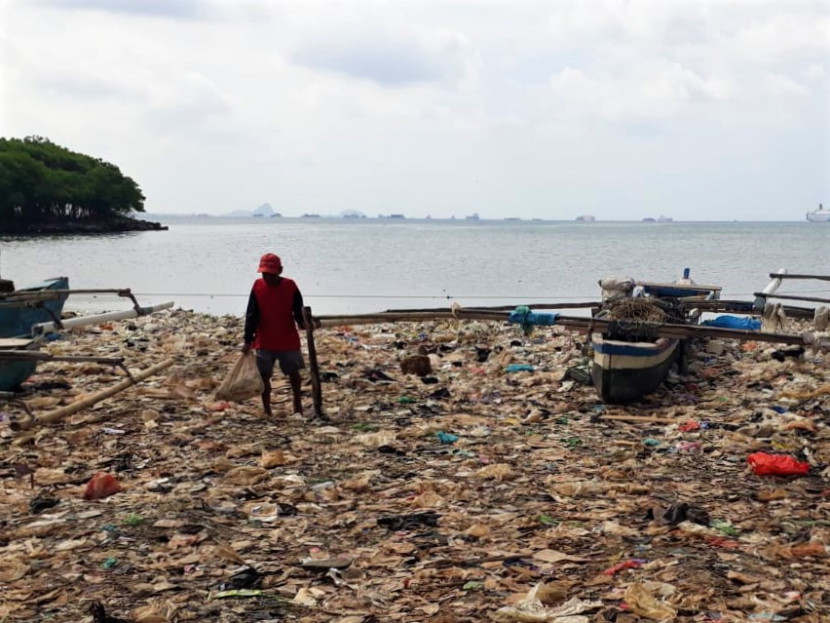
(290, 361)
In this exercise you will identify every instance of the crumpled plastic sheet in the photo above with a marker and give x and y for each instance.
(532, 610)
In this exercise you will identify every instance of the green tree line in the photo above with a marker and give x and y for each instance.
(41, 182)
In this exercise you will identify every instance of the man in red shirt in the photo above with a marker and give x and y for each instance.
(275, 309)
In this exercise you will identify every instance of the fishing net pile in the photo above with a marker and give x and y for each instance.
(635, 319)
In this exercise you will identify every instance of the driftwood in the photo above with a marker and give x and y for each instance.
(58, 414)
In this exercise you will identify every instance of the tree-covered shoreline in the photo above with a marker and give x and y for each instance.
(48, 189)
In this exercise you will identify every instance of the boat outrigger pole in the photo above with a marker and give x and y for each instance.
(670, 330)
(84, 321)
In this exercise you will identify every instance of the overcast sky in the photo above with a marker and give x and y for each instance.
(702, 110)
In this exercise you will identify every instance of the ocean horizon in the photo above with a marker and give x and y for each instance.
(351, 265)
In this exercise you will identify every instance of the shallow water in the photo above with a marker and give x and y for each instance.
(353, 266)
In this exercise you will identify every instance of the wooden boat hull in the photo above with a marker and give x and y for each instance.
(16, 319)
(14, 372)
(682, 291)
(625, 371)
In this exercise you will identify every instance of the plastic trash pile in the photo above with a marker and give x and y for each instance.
(489, 485)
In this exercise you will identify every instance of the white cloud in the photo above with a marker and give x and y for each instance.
(650, 91)
(433, 104)
(389, 58)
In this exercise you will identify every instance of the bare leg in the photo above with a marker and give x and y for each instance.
(266, 397)
(296, 382)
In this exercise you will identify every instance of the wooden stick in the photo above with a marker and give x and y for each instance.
(795, 276)
(787, 297)
(316, 390)
(59, 414)
(36, 355)
(47, 295)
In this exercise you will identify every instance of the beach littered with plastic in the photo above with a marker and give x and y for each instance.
(492, 487)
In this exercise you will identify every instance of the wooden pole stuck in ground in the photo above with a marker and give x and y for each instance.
(316, 390)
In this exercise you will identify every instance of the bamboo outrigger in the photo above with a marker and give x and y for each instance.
(671, 330)
(27, 315)
(622, 370)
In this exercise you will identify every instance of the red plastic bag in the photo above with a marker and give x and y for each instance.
(764, 464)
(101, 485)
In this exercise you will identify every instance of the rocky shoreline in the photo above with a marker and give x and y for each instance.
(86, 226)
(482, 490)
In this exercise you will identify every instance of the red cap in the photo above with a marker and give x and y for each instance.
(270, 263)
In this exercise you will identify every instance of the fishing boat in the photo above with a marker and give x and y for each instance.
(684, 289)
(20, 309)
(821, 215)
(625, 371)
(28, 314)
(14, 367)
(629, 359)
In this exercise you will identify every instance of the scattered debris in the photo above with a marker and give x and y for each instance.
(540, 505)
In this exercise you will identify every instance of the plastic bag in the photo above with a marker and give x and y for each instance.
(100, 486)
(776, 465)
(734, 322)
(243, 381)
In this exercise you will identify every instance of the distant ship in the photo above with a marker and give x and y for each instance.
(585, 218)
(665, 219)
(310, 216)
(472, 217)
(819, 216)
(648, 219)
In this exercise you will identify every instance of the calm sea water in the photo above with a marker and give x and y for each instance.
(353, 266)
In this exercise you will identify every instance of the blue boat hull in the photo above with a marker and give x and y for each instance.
(14, 373)
(625, 371)
(17, 321)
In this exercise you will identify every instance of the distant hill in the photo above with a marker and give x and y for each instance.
(265, 210)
